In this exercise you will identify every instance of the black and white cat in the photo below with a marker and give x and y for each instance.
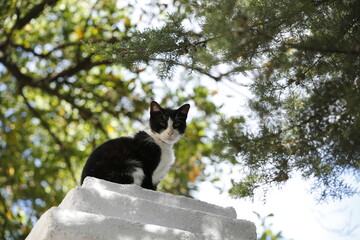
(143, 159)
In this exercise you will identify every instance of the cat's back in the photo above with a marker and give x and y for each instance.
(112, 154)
(123, 148)
(123, 155)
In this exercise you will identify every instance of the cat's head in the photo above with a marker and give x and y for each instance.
(168, 124)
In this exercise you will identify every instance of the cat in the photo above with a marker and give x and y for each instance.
(143, 159)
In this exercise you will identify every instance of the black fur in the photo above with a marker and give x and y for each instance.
(117, 159)
(159, 119)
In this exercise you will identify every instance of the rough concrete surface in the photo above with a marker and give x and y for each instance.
(63, 224)
(103, 210)
(164, 198)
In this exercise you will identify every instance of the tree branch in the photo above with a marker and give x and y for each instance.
(322, 49)
(84, 112)
(42, 84)
(87, 23)
(198, 69)
(27, 49)
(59, 47)
(86, 64)
(56, 139)
(33, 13)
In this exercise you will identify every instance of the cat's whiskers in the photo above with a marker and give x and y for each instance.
(148, 140)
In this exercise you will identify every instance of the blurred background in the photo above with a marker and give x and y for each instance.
(274, 88)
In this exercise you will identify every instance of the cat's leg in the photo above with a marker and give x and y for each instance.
(138, 176)
(147, 183)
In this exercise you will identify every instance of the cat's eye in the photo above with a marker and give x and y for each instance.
(176, 124)
(162, 123)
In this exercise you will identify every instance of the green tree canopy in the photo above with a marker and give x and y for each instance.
(58, 101)
(304, 60)
(73, 75)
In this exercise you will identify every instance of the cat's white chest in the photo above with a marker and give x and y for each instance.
(166, 161)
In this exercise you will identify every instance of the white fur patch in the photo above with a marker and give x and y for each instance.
(166, 161)
(167, 154)
(138, 176)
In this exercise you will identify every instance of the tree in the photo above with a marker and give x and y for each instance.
(58, 101)
(72, 76)
(304, 61)
(266, 229)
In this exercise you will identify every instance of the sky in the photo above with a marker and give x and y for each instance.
(297, 214)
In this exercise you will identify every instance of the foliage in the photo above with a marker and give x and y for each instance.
(142, 48)
(304, 60)
(267, 233)
(58, 101)
(73, 74)
(306, 94)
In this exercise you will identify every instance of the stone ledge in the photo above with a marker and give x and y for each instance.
(64, 224)
(161, 198)
(118, 205)
(107, 211)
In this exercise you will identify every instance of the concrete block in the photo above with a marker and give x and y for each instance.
(161, 198)
(64, 224)
(204, 225)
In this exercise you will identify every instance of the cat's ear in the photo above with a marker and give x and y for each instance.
(154, 107)
(184, 109)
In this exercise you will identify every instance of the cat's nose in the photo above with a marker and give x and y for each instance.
(170, 133)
